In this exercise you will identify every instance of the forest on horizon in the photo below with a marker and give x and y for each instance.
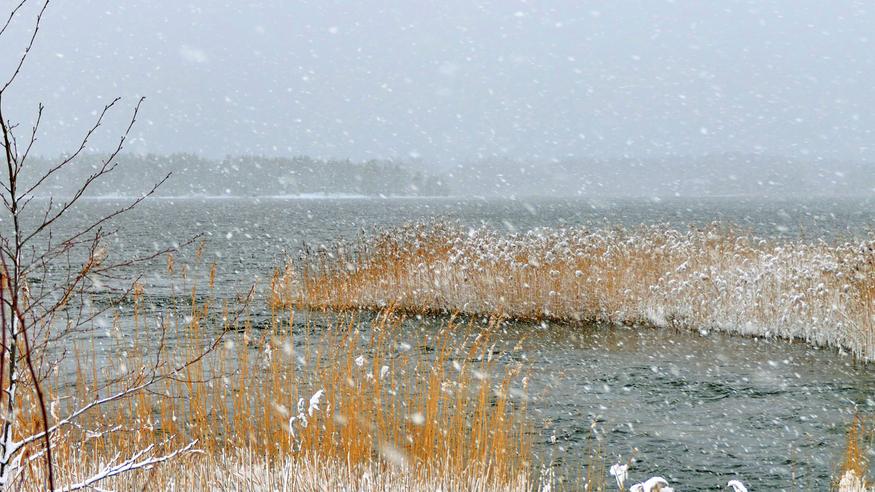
(705, 176)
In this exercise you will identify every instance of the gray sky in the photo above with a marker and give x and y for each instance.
(456, 80)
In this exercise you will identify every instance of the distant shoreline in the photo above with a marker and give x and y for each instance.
(350, 196)
(303, 196)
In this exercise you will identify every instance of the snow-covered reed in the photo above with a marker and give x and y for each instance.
(335, 403)
(853, 472)
(252, 472)
(708, 279)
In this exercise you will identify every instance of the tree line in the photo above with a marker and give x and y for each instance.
(246, 176)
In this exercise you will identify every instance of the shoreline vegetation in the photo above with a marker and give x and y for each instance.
(332, 402)
(716, 278)
(322, 397)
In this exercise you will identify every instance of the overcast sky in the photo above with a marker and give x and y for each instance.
(456, 80)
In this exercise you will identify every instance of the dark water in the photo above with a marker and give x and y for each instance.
(250, 236)
(699, 409)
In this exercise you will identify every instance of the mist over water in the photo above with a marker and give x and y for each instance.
(585, 97)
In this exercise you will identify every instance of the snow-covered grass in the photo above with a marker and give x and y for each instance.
(246, 470)
(711, 279)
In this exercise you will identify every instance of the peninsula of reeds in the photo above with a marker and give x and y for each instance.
(282, 399)
(710, 279)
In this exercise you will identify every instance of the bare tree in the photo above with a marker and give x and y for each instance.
(41, 309)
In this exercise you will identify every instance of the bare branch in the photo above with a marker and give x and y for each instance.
(102, 220)
(130, 464)
(107, 167)
(23, 157)
(11, 15)
(35, 380)
(153, 379)
(4, 275)
(21, 60)
(70, 418)
(35, 319)
(82, 144)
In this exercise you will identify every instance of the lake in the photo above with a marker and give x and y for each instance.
(699, 408)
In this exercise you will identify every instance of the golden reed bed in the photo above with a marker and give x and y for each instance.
(333, 403)
(710, 279)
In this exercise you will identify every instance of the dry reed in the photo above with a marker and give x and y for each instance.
(853, 472)
(247, 471)
(711, 279)
(335, 402)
